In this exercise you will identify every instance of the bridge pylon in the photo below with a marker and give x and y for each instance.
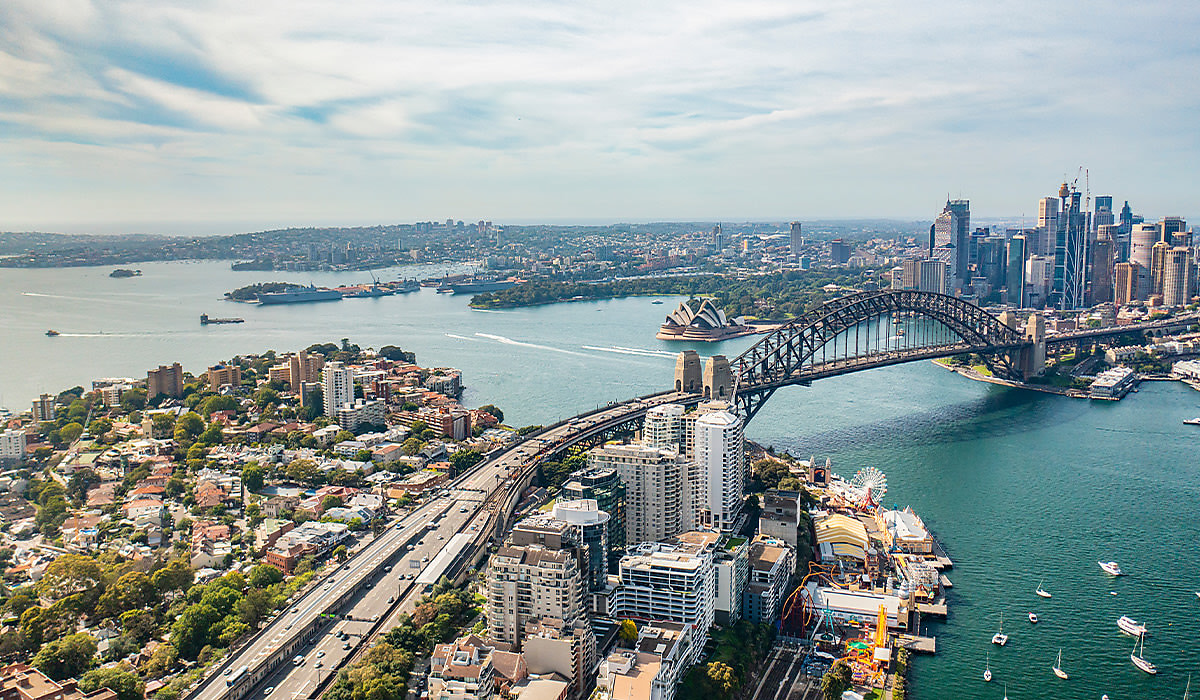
(687, 372)
(718, 379)
(1032, 360)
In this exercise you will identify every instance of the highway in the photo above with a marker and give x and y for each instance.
(354, 603)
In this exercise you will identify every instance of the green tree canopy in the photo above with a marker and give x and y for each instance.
(119, 679)
(252, 477)
(66, 658)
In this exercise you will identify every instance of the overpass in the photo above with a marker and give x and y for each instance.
(854, 333)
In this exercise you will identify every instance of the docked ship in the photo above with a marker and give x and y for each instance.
(405, 286)
(206, 320)
(704, 323)
(300, 295)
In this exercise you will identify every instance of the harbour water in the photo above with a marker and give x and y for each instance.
(1017, 485)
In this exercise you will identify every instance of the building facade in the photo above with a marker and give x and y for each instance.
(528, 583)
(166, 380)
(338, 387)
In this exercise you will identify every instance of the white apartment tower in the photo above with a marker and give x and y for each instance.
(656, 483)
(664, 427)
(663, 582)
(338, 383)
(720, 465)
(527, 583)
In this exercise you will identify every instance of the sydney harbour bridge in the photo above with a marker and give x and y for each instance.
(860, 331)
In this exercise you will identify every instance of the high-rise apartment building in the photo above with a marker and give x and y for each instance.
(338, 387)
(720, 460)
(655, 480)
(221, 375)
(1126, 283)
(525, 584)
(772, 564)
(12, 445)
(1158, 260)
(166, 380)
(668, 582)
(44, 408)
(1039, 278)
(602, 485)
(575, 526)
(664, 427)
(795, 240)
(303, 368)
(910, 274)
(1178, 277)
(839, 252)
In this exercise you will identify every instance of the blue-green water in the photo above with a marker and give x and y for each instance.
(1017, 485)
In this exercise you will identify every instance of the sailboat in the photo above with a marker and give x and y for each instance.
(1137, 659)
(1000, 637)
(1006, 691)
(1188, 687)
(987, 668)
(1042, 592)
(1058, 667)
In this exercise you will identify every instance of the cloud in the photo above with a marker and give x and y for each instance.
(544, 109)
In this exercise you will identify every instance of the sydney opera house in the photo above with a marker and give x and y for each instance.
(705, 323)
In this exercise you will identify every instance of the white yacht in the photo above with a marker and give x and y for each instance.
(1041, 591)
(1033, 617)
(1130, 626)
(1058, 667)
(1000, 637)
(987, 669)
(1138, 660)
(1111, 568)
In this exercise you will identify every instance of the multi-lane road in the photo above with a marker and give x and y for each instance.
(332, 620)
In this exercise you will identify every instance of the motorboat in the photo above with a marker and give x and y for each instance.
(1000, 637)
(1130, 626)
(987, 669)
(1111, 568)
(1058, 667)
(1033, 617)
(1138, 660)
(1191, 421)
(51, 333)
(1042, 593)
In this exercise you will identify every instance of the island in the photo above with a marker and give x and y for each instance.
(122, 272)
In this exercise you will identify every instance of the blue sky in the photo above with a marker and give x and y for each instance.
(144, 115)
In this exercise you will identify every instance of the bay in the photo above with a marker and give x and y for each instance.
(1017, 485)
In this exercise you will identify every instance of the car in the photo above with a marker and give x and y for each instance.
(320, 653)
(268, 691)
(441, 537)
(319, 664)
(346, 646)
(296, 609)
(424, 558)
(229, 670)
(298, 660)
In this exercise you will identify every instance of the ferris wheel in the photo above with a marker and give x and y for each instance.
(869, 486)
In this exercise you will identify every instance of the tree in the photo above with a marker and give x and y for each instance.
(302, 470)
(525, 430)
(161, 661)
(836, 681)
(217, 403)
(139, 625)
(67, 657)
(492, 409)
(266, 396)
(628, 632)
(330, 501)
(411, 446)
(100, 426)
(395, 354)
(463, 460)
(162, 424)
(133, 400)
(252, 477)
(343, 435)
(264, 575)
(120, 679)
(176, 575)
(70, 575)
(191, 631)
(70, 432)
(133, 591)
(723, 677)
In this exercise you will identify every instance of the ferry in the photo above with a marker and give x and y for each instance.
(51, 333)
(1111, 568)
(1130, 626)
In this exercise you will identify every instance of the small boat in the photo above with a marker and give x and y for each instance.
(656, 301)
(987, 669)
(1187, 689)
(1191, 421)
(1130, 626)
(1000, 637)
(1140, 661)
(1033, 617)
(1058, 667)
(1043, 593)
(1006, 692)
(51, 333)
(1111, 568)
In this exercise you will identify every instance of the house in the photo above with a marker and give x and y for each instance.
(145, 510)
(276, 505)
(23, 682)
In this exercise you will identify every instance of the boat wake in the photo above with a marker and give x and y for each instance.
(640, 352)
(510, 341)
(458, 337)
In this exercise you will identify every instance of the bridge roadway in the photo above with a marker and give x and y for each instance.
(365, 598)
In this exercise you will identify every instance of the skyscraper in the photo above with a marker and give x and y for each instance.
(604, 486)
(1015, 275)
(1158, 261)
(720, 460)
(1100, 286)
(1170, 226)
(935, 277)
(951, 230)
(1127, 283)
(1070, 251)
(795, 240)
(1103, 213)
(1142, 240)
(1048, 213)
(839, 251)
(338, 387)
(1177, 277)
(656, 495)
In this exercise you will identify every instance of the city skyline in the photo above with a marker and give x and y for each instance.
(219, 118)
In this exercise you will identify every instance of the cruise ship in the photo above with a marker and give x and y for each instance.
(300, 295)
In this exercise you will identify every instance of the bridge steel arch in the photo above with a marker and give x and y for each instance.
(792, 354)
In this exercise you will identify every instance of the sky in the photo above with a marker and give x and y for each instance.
(152, 116)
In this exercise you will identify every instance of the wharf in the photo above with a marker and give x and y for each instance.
(938, 551)
(916, 644)
(937, 608)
